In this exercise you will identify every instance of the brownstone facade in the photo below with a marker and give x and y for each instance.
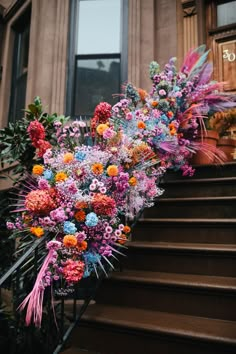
(156, 30)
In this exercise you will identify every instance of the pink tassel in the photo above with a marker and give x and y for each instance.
(35, 298)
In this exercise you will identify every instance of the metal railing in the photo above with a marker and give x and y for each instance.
(60, 314)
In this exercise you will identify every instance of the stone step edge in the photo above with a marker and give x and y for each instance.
(215, 180)
(192, 283)
(184, 247)
(150, 328)
(195, 199)
(199, 221)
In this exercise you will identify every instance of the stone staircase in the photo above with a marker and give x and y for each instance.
(176, 293)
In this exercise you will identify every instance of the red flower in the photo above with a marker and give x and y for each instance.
(102, 112)
(43, 145)
(104, 205)
(36, 132)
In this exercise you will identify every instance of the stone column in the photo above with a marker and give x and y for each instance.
(48, 53)
(190, 25)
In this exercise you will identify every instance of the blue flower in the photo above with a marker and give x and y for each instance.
(91, 220)
(80, 156)
(69, 228)
(48, 174)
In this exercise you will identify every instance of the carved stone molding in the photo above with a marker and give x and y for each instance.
(189, 8)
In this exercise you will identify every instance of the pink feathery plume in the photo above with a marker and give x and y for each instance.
(35, 297)
(205, 74)
(192, 58)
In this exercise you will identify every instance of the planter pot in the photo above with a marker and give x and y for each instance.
(228, 146)
(209, 137)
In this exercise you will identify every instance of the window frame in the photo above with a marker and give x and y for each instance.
(73, 56)
(22, 24)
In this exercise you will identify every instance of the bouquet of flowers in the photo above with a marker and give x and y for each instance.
(95, 182)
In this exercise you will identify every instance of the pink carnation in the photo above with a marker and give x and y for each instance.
(73, 270)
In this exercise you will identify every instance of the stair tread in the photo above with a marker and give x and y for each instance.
(163, 323)
(187, 280)
(187, 220)
(199, 180)
(196, 199)
(207, 247)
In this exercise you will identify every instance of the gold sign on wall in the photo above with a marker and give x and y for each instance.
(226, 59)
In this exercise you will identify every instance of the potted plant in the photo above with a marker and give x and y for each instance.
(225, 124)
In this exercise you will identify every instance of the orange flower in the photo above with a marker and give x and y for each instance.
(172, 129)
(82, 246)
(142, 94)
(101, 128)
(133, 181)
(141, 125)
(123, 239)
(81, 205)
(97, 168)
(126, 229)
(154, 103)
(38, 170)
(112, 170)
(68, 157)
(70, 241)
(80, 215)
(37, 231)
(61, 176)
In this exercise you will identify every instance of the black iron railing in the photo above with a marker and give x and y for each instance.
(60, 314)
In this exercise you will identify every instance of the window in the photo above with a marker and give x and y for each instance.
(20, 67)
(100, 53)
(221, 34)
(226, 13)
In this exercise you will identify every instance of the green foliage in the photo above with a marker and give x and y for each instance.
(16, 149)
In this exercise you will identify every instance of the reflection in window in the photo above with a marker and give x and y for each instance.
(98, 55)
(96, 80)
(99, 26)
(226, 13)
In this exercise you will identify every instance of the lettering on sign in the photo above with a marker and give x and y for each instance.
(229, 56)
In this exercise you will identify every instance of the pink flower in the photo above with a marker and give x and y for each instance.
(108, 133)
(162, 92)
(129, 116)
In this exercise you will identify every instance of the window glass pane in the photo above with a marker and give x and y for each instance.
(99, 26)
(226, 13)
(96, 80)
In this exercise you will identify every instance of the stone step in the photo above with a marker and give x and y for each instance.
(188, 258)
(201, 207)
(195, 295)
(118, 329)
(205, 171)
(186, 230)
(200, 187)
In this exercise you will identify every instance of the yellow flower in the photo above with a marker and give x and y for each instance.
(97, 168)
(112, 170)
(61, 176)
(101, 128)
(70, 241)
(37, 231)
(68, 157)
(38, 170)
(133, 181)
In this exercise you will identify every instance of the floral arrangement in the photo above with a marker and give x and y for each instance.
(96, 180)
